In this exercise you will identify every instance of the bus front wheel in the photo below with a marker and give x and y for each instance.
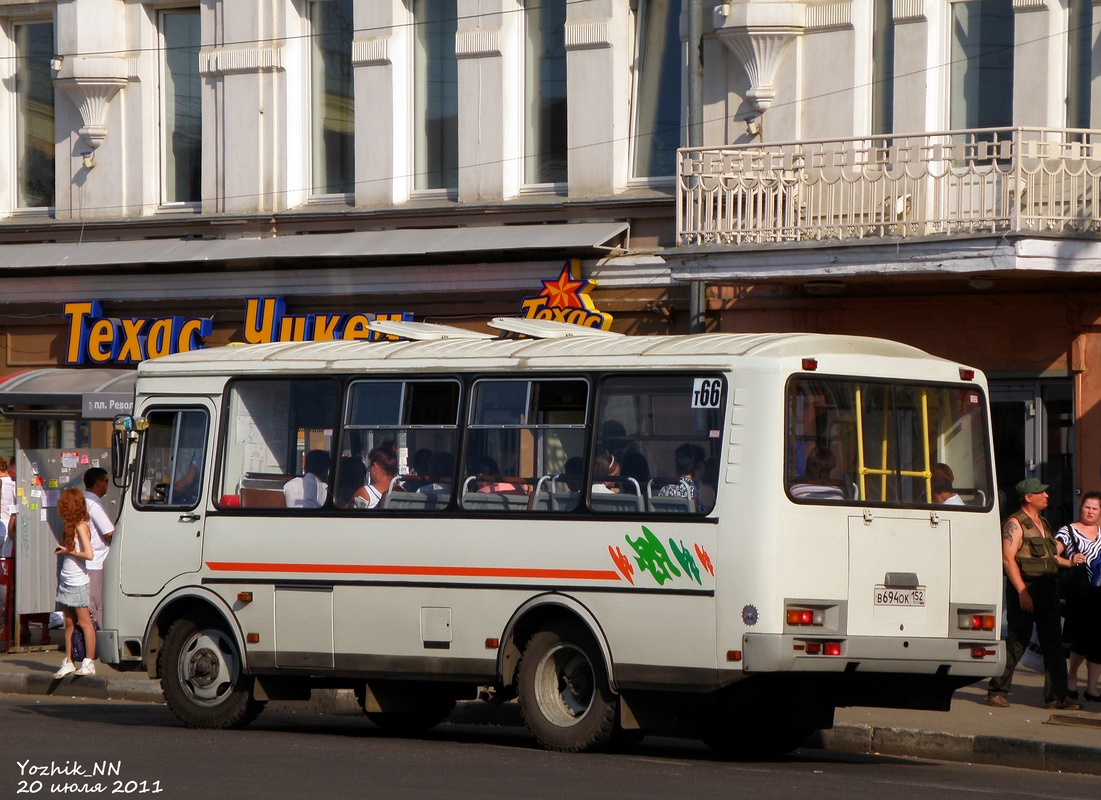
(563, 690)
(202, 678)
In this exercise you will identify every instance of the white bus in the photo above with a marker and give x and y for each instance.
(741, 532)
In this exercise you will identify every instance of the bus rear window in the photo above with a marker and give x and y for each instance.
(886, 444)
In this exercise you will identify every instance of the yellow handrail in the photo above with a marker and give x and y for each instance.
(885, 471)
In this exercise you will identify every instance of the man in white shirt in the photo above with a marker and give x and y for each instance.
(96, 484)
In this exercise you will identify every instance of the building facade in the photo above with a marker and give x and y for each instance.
(174, 169)
(923, 170)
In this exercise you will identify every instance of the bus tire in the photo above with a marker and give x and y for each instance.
(202, 678)
(563, 690)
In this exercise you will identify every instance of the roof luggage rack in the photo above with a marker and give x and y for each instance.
(545, 328)
(423, 331)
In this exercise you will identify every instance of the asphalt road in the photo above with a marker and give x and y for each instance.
(53, 746)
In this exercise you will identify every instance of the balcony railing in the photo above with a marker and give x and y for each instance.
(992, 181)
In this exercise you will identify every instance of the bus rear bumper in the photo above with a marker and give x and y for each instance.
(964, 658)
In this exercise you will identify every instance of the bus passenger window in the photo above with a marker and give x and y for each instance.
(404, 433)
(523, 435)
(277, 444)
(873, 442)
(663, 435)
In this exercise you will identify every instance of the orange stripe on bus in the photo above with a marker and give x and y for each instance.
(399, 569)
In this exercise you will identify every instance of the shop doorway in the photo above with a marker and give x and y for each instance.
(1034, 438)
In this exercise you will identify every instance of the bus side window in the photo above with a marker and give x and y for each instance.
(523, 437)
(658, 447)
(277, 444)
(173, 459)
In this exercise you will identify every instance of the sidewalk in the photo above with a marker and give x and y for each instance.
(1025, 735)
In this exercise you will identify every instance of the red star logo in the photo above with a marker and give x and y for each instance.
(565, 292)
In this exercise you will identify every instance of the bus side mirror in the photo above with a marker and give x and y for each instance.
(120, 454)
(125, 431)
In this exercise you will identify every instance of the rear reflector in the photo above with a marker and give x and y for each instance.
(982, 652)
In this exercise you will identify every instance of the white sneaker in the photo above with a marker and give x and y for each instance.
(67, 668)
(87, 667)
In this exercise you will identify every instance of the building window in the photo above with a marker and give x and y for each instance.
(545, 92)
(182, 121)
(883, 67)
(1079, 63)
(657, 89)
(982, 64)
(436, 95)
(333, 102)
(34, 91)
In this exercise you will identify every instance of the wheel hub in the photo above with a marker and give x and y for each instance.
(203, 666)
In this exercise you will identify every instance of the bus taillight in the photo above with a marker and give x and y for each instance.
(977, 622)
(805, 616)
(982, 652)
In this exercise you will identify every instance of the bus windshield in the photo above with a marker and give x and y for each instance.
(903, 445)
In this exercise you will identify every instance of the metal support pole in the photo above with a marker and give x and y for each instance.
(696, 311)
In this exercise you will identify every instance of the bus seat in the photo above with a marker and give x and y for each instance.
(615, 503)
(486, 501)
(555, 501)
(409, 501)
(672, 505)
(262, 498)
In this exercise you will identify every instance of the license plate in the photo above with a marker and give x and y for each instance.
(886, 596)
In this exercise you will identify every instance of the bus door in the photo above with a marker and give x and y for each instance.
(899, 575)
(164, 526)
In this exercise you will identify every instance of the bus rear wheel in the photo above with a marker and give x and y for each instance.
(202, 678)
(563, 690)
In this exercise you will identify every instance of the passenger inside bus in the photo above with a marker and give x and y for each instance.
(943, 493)
(382, 468)
(311, 489)
(441, 469)
(634, 471)
(689, 462)
(351, 476)
(605, 471)
(489, 478)
(815, 483)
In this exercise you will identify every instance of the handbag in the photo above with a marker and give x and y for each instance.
(79, 651)
(1074, 582)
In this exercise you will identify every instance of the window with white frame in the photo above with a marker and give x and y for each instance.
(982, 64)
(181, 112)
(332, 100)
(545, 91)
(883, 67)
(34, 114)
(436, 95)
(1079, 63)
(657, 89)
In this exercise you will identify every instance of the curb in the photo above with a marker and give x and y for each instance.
(986, 750)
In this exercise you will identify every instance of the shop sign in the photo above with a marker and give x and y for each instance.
(566, 299)
(266, 321)
(95, 339)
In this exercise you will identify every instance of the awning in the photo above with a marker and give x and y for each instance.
(70, 393)
(392, 244)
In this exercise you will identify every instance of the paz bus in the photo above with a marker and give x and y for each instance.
(622, 533)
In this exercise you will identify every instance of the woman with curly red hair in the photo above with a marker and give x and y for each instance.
(72, 587)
